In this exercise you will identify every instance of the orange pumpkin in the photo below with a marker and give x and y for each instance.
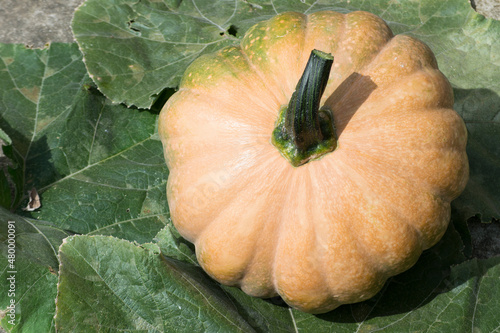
(317, 185)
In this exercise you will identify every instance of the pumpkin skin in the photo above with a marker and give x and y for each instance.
(331, 231)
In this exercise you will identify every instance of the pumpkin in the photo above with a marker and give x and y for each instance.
(314, 160)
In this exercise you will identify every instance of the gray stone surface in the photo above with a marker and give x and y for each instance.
(36, 22)
(488, 8)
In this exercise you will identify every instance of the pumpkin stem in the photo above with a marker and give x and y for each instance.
(303, 131)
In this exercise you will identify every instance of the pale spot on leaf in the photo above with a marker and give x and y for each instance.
(50, 71)
(8, 61)
(138, 72)
(43, 123)
(31, 93)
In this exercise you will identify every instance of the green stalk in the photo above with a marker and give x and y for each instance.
(303, 131)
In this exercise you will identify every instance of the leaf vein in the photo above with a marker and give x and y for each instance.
(70, 176)
(96, 231)
(109, 287)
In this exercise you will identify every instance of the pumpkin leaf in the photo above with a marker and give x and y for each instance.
(5, 182)
(96, 170)
(28, 265)
(480, 109)
(4, 138)
(112, 283)
(172, 245)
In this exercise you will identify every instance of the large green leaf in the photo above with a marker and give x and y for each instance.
(6, 186)
(28, 266)
(480, 109)
(98, 167)
(174, 246)
(112, 284)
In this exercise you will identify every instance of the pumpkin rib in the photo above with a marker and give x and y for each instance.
(228, 223)
(417, 176)
(249, 86)
(372, 186)
(253, 49)
(377, 103)
(295, 287)
(365, 34)
(246, 283)
(369, 192)
(363, 84)
(424, 118)
(260, 75)
(335, 217)
(274, 261)
(253, 119)
(313, 41)
(353, 82)
(397, 55)
(350, 276)
(329, 300)
(205, 75)
(244, 85)
(370, 155)
(350, 33)
(383, 106)
(367, 139)
(225, 250)
(362, 89)
(255, 111)
(334, 288)
(199, 158)
(193, 113)
(208, 187)
(409, 176)
(319, 250)
(335, 295)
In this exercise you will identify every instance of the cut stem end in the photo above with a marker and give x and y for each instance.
(304, 132)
